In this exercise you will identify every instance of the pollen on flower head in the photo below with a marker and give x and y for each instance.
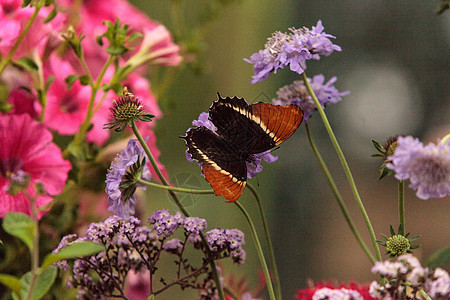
(125, 110)
(397, 245)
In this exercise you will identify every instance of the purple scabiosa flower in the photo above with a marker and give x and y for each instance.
(293, 49)
(297, 93)
(121, 179)
(222, 241)
(252, 168)
(427, 167)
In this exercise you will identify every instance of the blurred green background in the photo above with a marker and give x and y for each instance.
(395, 61)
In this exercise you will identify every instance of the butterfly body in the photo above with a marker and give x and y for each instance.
(243, 130)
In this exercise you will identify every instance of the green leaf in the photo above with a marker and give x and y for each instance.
(70, 80)
(42, 285)
(27, 63)
(21, 226)
(379, 147)
(25, 3)
(12, 282)
(151, 297)
(400, 229)
(439, 258)
(84, 80)
(391, 230)
(79, 249)
(49, 82)
(51, 15)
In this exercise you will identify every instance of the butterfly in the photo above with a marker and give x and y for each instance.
(243, 130)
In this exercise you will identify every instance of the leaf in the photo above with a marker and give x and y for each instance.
(439, 258)
(27, 63)
(49, 82)
(51, 15)
(391, 230)
(21, 226)
(84, 80)
(78, 249)
(25, 3)
(400, 229)
(70, 80)
(12, 282)
(151, 297)
(42, 285)
(379, 147)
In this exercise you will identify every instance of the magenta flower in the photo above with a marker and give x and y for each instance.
(427, 167)
(27, 149)
(12, 21)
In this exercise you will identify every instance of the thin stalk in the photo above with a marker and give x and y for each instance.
(22, 35)
(345, 166)
(424, 294)
(273, 263)
(401, 205)
(35, 251)
(180, 206)
(258, 250)
(338, 196)
(174, 189)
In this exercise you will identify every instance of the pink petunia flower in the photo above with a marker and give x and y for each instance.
(13, 19)
(27, 149)
(65, 109)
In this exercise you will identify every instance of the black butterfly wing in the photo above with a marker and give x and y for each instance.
(254, 128)
(223, 168)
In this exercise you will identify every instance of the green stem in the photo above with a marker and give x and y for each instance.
(95, 86)
(175, 189)
(22, 35)
(345, 166)
(401, 206)
(179, 204)
(35, 251)
(424, 294)
(338, 196)
(258, 250)
(273, 264)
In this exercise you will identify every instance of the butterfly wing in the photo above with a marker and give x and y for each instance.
(254, 128)
(223, 168)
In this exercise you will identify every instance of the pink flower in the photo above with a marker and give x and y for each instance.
(13, 19)
(138, 285)
(27, 148)
(22, 102)
(65, 109)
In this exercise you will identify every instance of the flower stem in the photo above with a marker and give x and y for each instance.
(345, 166)
(338, 196)
(445, 139)
(258, 250)
(35, 251)
(173, 188)
(424, 294)
(22, 35)
(401, 206)
(276, 277)
(180, 206)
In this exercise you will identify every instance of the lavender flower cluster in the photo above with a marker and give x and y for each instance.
(131, 247)
(293, 49)
(406, 276)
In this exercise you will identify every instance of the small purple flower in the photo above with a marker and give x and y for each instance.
(194, 225)
(252, 168)
(165, 224)
(121, 184)
(293, 49)
(173, 246)
(297, 93)
(427, 167)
